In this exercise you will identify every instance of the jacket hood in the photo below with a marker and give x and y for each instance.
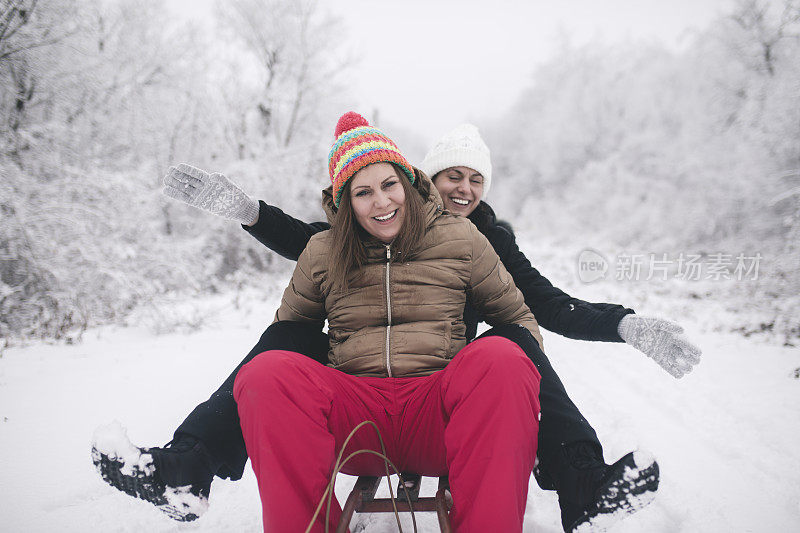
(422, 183)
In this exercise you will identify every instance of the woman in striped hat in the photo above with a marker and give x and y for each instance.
(392, 277)
(209, 441)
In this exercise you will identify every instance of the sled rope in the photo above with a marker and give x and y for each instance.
(329, 491)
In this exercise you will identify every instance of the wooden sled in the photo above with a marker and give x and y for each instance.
(362, 500)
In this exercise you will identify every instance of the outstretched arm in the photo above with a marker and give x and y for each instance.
(210, 192)
(554, 309)
(281, 233)
(217, 194)
(661, 340)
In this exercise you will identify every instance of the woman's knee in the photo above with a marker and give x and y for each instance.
(287, 333)
(519, 335)
(287, 327)
(301, 337)
(523, 338)
(499, 355)
(266, 369)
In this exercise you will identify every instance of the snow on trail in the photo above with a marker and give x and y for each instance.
(725, 436)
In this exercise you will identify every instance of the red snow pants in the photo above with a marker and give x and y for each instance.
(476, 421)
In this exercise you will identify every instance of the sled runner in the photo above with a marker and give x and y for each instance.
(362, 500)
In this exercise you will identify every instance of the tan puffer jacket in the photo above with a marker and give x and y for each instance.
(405, 318)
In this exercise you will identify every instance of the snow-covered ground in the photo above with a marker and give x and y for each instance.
(726, 436)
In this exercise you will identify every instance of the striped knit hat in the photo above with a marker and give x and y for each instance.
(357, 145)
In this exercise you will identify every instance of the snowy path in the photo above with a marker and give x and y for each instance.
(726, 436)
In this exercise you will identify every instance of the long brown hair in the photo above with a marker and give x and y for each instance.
(348, 245)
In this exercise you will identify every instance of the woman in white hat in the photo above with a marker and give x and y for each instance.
(570, 458)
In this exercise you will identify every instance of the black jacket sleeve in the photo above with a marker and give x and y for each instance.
(282, 233)
(554, 309)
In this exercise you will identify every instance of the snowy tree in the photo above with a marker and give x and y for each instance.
(760, 32)
(642, 146)
(78, 78)
(294, 47)
(97, 101)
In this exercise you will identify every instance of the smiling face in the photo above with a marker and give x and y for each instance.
(378, 200)
(461, 189)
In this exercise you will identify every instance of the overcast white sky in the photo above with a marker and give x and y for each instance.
(429, 65)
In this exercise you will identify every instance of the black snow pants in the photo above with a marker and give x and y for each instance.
(216, 421)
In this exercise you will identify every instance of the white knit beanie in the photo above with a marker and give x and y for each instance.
(460, 147)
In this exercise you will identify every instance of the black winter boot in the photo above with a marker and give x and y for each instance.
(593, 495)
(175, 478)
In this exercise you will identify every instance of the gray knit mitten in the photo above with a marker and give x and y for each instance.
(211, 192)
(661, 340)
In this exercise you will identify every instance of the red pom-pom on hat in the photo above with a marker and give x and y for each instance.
(348, 121)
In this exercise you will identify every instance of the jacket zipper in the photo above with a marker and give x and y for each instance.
(388, 308)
